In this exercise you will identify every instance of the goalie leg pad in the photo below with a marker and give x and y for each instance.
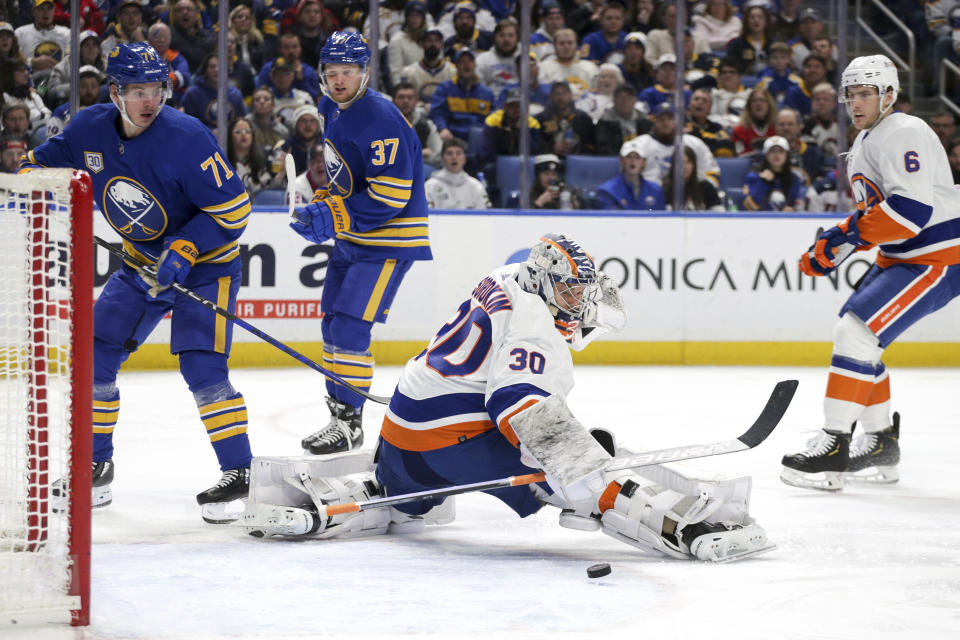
(264, 520)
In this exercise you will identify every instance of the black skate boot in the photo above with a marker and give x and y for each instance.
(101, 494)
(724, 542)
(342, 433)
(233, 485)
(874, 456)
(821, 465)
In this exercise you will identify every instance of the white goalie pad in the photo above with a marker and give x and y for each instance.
(276, 479)
(560, 445)
(288, 494)
(733, 491)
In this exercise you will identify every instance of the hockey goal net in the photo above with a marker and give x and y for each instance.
(46, 364)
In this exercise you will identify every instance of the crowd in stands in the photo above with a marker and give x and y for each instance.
(759, 84)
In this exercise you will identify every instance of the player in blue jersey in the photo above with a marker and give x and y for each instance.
(375, 209)
(165, 186)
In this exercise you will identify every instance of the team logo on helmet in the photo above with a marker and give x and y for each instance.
(338, 173)
(132, 210)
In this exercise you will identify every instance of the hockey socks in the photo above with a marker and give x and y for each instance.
(106, 408)
(226, 423)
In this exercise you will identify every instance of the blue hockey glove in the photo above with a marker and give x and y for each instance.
(322, 220)
(174, 264)
(834, 245)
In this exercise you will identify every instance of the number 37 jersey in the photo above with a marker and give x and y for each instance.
(499, 354)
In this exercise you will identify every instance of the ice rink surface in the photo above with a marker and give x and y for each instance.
(870, 562)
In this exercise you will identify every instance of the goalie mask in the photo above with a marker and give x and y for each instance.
(345, 48)
(137, 63)
(871, 71)
(565, 277)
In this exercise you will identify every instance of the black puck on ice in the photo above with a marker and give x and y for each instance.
(598, 570)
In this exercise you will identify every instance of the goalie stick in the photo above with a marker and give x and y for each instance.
(150, 270)
(762, 427)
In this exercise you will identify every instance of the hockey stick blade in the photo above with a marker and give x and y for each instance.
(291, 170)
(220, 311)
(762, 427)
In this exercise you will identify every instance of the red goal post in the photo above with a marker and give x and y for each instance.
(46, 386)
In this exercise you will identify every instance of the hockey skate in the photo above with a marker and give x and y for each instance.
(725, 542)
(342, 433)
(216, 501)
(822, 465)
(874, 456)
(101, 494)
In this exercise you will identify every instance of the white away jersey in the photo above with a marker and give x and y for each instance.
(498, 355)
(660, 156)
(901, 181)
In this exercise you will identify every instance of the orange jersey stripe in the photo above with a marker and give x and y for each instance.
(505, 427)
(898, 305)
(430, 439)
(849, 389)
(877, 227)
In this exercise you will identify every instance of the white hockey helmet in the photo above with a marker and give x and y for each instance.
(872, 71)
(562, 273)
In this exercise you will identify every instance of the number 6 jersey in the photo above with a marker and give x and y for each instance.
(901, 181)
(499, 354)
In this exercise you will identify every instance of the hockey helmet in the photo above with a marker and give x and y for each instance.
(872, 71)
(135, 63)
(345, 48)
(562, 274)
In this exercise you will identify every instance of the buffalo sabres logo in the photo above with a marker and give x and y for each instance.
(92, 160)
(865, 193)
(132, 210)
(338, 173)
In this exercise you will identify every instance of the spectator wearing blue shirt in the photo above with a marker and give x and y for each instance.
(304, 76)
(608, 40)
(774, 186)
(629, 190)
(662, 91)
(200, 100)
(461, 102)
(814, 72)
(777, 77)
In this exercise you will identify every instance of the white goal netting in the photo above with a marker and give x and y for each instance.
(38, 356)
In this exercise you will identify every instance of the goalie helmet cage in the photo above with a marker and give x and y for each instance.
(46, 387)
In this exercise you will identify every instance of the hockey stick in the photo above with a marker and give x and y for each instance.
(762, 427)
(151, 271)
(291, 168)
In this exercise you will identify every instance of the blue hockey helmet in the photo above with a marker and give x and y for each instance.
(562, 273)
(345, 48)
(136, 63)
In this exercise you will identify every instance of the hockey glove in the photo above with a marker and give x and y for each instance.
(174, 264)
(320, 221)
(834, 245)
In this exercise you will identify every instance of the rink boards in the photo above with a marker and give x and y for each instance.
(699, 288)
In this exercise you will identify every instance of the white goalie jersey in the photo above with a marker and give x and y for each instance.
(901, 181)
(498, 355)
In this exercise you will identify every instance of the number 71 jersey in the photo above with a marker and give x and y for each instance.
(151, 186)
(499, 354)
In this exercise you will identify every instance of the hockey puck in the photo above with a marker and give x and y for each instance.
(598, 570)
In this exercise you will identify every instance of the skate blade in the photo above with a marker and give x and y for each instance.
(873, 475)
(745, 555)
(222, 512)
(823, 481)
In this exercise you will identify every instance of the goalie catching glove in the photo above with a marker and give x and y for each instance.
(832, 247)
(321, 220)
(179, 255)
